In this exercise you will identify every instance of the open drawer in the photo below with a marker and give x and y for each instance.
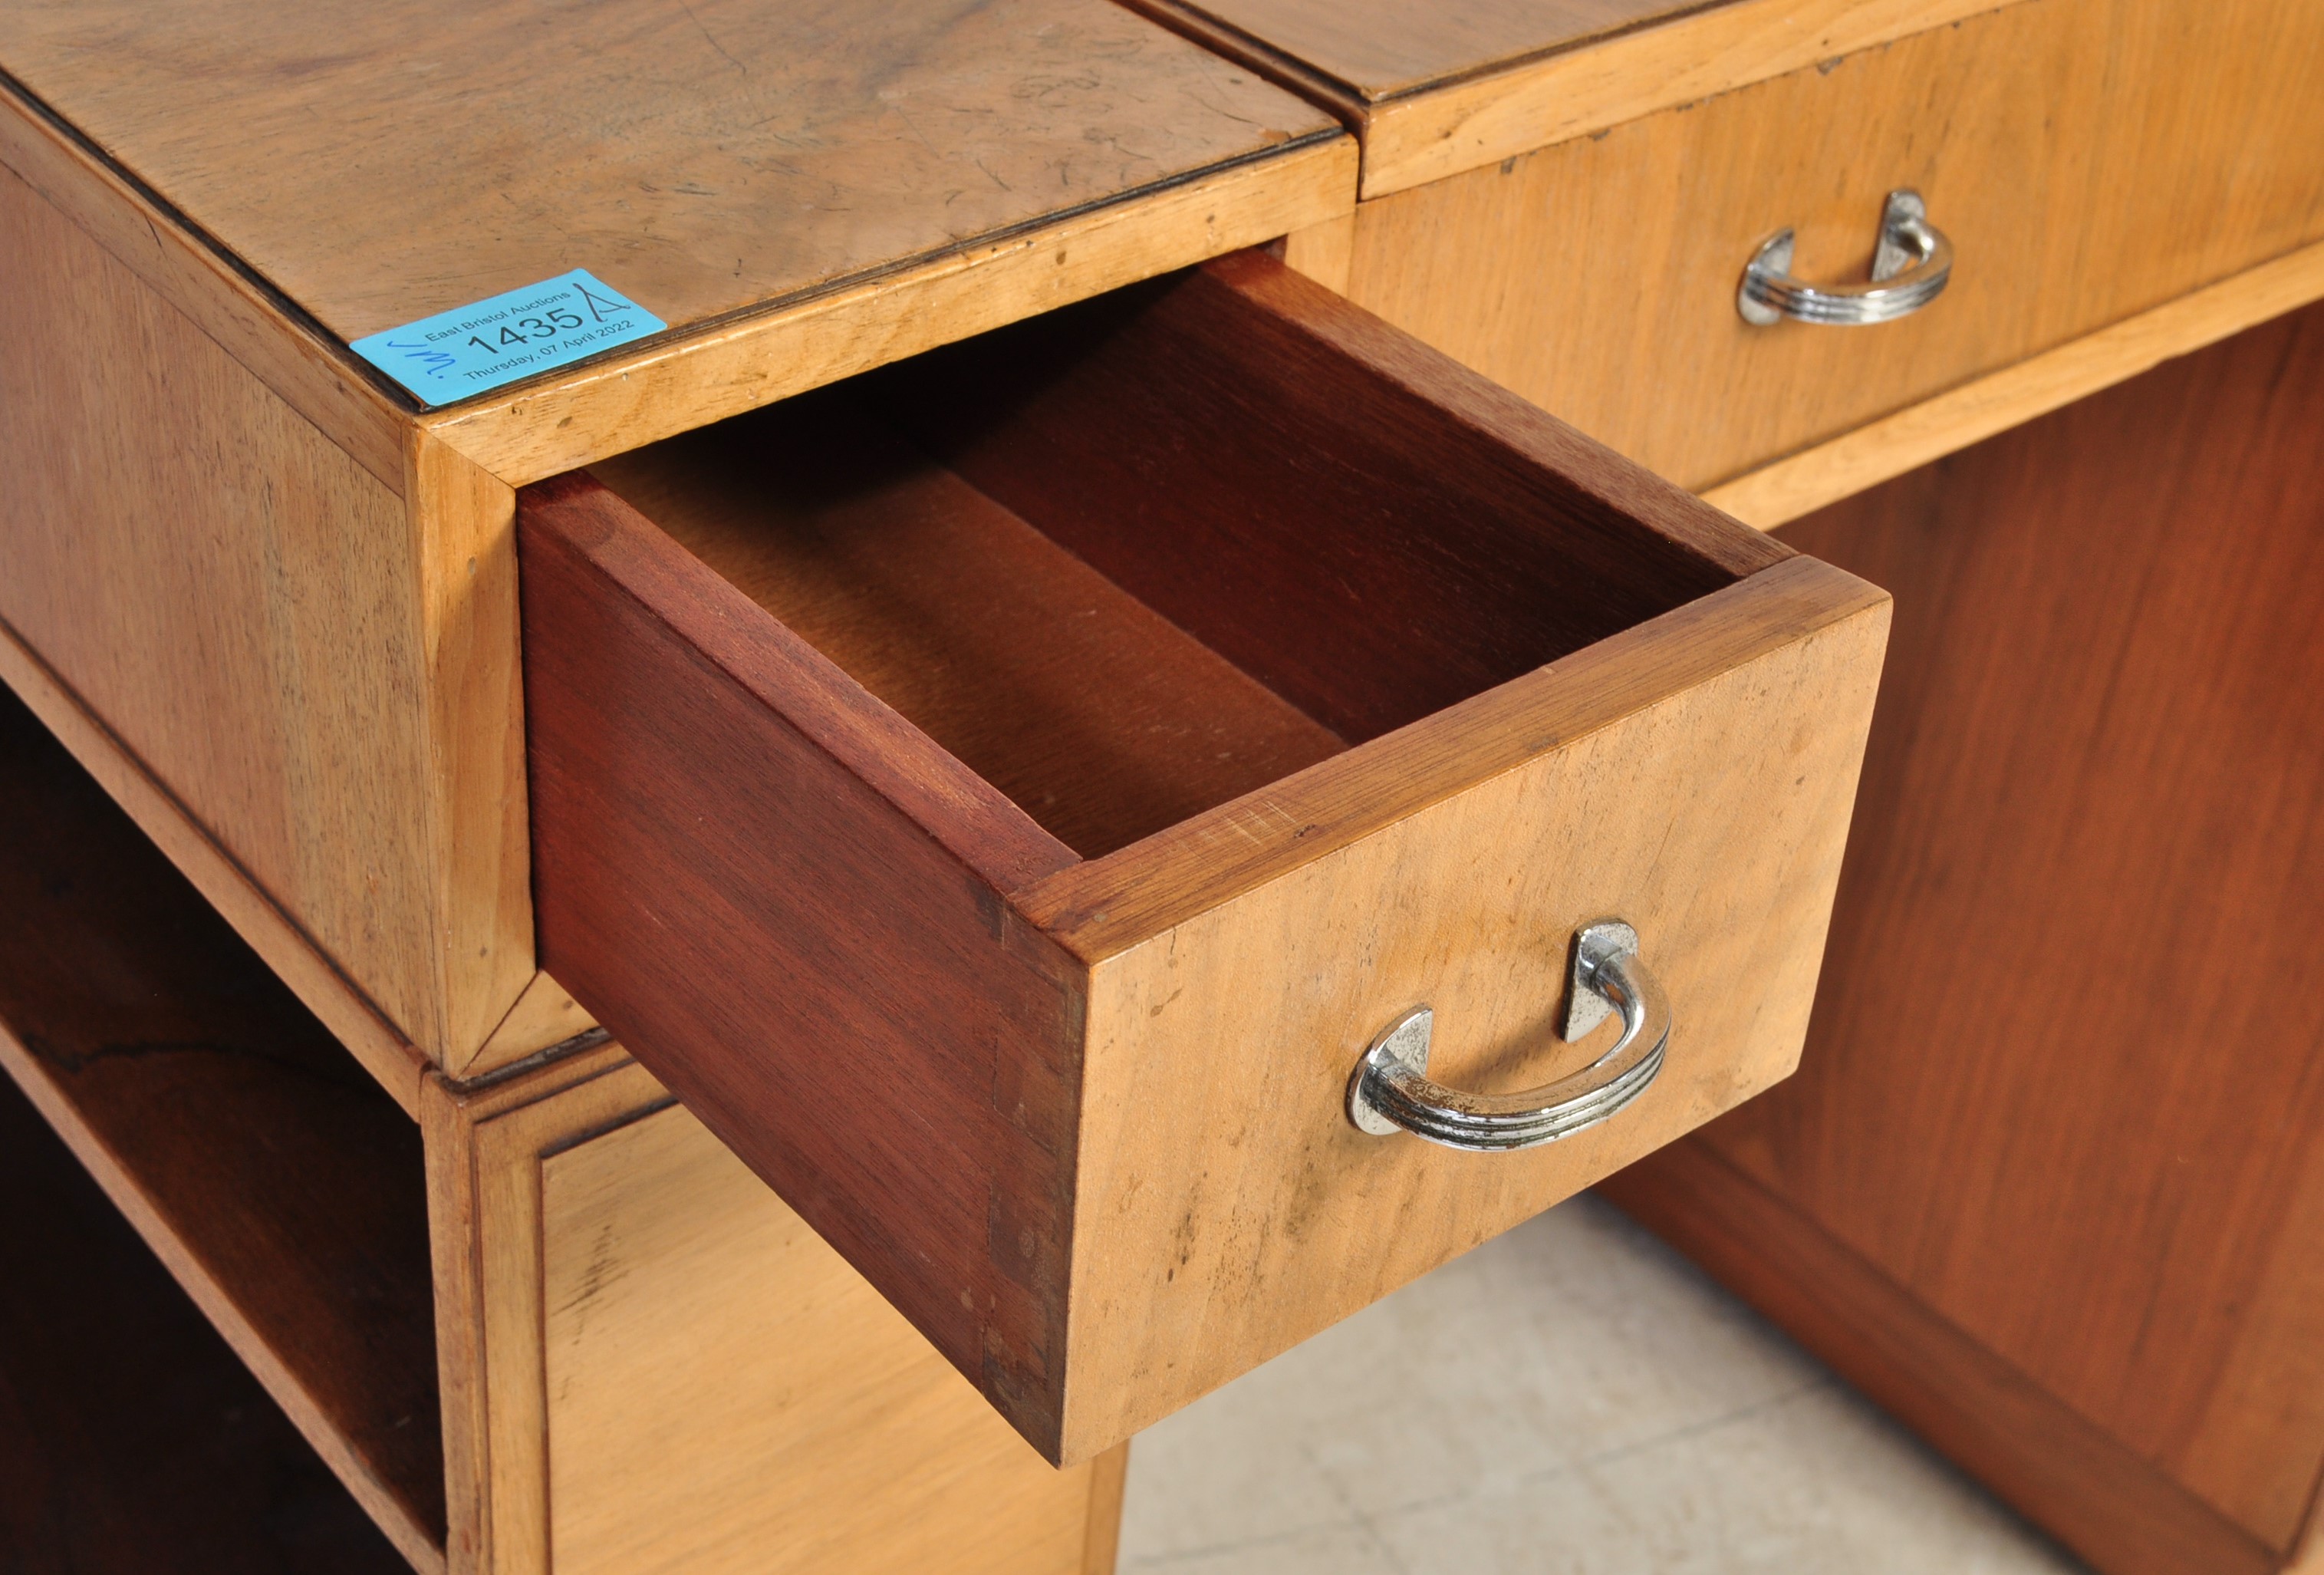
(1005, 796)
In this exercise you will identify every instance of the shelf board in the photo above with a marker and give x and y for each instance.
(280, 1185)
(130, 1437)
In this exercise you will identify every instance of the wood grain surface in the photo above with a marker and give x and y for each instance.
(940, 1034)
(462, 520)
(650, 1363)
(1379, 49)
(1109, 1479)
(297, 361)
(1098, 717)
(1692, 775)
(131, 1438)
(690, 1311)
(636, 396)
(2023, 1101)
(696, 770)
(484, 1142)
(707, 158)
(2079, 186)
(1436, 90)
(280, 1186)
(545, 1016)
(230, 591)
(1368, 530)
(318, 670)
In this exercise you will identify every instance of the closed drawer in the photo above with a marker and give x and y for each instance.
(2088, 159)
(1003, 796)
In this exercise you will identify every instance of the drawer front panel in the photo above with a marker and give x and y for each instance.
(2089, 159)
(1233, 1210)
(844, 796)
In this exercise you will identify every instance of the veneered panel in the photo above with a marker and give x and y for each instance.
(380, 165)
(2025, 1099)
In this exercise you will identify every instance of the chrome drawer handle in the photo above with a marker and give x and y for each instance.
(1391, 1089)
(1910, 268)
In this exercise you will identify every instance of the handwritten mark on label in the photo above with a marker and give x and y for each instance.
(481, 346)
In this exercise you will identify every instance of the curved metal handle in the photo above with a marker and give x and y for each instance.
(1910, 269)
(1391, 1089)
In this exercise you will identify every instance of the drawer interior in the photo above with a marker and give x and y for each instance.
(280, 1184)
(1137, 558)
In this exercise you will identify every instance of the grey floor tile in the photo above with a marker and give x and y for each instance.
(1816, 1483)
(1572, 1397)
(1252, 1476)
(1331, 1550)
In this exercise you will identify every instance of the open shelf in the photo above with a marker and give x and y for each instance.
(131, 1438)
(283, 1187)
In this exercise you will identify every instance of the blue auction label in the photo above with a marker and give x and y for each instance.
(486, 343)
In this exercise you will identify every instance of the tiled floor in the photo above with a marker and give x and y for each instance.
(1573, 1399)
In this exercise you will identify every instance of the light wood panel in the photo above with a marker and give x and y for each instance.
(707, 158)
(463, 531)
(2096, 755)
(692, 1317)
(1880, 450)
(1707, 805)
(650, 1363)
(280, 1186)
(1108, 1477)
(2080, 185)
(545, 1016)
(484, 1149)
(235, 597)
(132, 1437)
(1433, 91)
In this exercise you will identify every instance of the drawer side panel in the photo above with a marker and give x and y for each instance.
(780, 900)
(236, 599)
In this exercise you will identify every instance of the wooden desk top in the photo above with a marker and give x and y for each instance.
(1434, 87)
(379, 163)
(1379, 49)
